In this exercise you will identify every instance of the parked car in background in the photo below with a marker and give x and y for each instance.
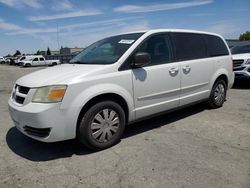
(19, 59)
(25, 57)
(241, 61)
(120, 80)
(38, 61)
(2, 60)
(9, 59)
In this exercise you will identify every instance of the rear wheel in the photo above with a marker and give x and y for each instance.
(54, 64)
(218, 94)
(102, 125)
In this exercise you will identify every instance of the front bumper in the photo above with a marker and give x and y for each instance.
(43, 122)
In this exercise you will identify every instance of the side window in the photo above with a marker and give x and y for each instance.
(35, 59)
(215, 46)
(41, 59)
(159, 48)
(189, 46)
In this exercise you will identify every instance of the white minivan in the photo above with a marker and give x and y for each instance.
(120, 80)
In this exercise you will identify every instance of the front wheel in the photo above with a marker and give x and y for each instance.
(102, 125)
(218, 94)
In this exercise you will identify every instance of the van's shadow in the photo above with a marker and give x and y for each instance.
(241, 83)
(39, 151)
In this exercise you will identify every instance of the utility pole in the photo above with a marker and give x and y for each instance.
(57, 36)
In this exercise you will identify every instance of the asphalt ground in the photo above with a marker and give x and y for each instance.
(190, 148)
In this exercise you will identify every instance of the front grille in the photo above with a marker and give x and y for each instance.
(23, 90)
(239, 75)
(43, 132)
(20, 93)
(238, 62)
(19, 100)
(239, 68)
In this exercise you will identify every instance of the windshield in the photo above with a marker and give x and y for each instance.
(106, 51)
(240, 49)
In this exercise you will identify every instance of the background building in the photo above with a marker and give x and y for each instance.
(64, 54)
(67, 50)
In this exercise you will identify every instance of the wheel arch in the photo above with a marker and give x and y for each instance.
(102, 97)
(221, 74)
(223, 77)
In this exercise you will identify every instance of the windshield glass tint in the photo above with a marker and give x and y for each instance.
(240, 49)
(106, 51)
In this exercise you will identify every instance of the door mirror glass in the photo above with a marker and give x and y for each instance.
(141, 59)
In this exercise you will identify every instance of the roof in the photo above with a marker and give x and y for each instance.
(151, 31)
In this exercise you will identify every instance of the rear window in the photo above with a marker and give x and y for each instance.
(215, 46)
(189, 46)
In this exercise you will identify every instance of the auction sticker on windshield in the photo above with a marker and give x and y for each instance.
(125, 41)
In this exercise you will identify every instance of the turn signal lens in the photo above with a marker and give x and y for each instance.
(56, 93)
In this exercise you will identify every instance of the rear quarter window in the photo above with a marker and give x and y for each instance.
(215, 46)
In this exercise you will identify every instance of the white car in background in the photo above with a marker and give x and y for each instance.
(25, 57)
(241, 61)
(39, 61)
(2, 60)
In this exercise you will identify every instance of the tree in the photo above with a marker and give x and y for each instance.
(38, 52)
(17, 53)
(48, 51)
(245, 36)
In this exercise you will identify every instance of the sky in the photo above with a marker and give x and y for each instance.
(31, 25)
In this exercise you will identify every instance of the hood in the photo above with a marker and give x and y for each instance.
(60, 74)
(241, 56)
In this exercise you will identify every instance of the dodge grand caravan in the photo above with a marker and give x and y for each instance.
(119, 80)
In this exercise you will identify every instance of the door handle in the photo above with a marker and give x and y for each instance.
(173, 71)
(186, 69)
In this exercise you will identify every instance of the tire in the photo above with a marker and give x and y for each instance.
(54, 64)
(98, 132)
(218, 94)
(27, 65)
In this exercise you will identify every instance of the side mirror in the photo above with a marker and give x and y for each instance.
(141, 59)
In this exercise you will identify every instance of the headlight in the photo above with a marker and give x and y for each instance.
(49, 94)
(248, 61)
